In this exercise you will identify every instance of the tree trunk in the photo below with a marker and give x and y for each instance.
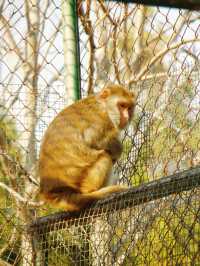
(31, 78)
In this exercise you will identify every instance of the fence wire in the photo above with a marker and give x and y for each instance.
(154, 224)
(154, 51)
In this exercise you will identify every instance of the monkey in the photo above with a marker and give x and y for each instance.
(80, 147)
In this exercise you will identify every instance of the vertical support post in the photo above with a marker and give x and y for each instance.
(71, 50)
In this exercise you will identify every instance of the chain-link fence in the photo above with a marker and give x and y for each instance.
(154, 224)
(155, 52)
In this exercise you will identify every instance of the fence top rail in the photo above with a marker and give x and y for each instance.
(185, 4)
(157, 189)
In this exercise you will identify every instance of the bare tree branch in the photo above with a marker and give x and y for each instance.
(107, 13)
(10, 241)
(43, 21)
(184, 18)
(114, 54)
(126, 57)
(195, 57)
(16, 165)
(18, 197)
(44, 106)
(7, 26)
(51, 40)
(16, 96)
(1, 6)
(4, 263)
(86, 22)
(129, 13)
(176, 29)
(158, 56)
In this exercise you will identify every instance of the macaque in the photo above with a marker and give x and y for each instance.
(80, 148)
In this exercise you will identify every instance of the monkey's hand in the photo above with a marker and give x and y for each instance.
(114, 149)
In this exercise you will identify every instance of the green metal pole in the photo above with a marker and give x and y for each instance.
(71, 50)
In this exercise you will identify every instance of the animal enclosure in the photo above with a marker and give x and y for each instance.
(152, 50)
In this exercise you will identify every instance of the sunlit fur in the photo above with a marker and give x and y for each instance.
(80, 147)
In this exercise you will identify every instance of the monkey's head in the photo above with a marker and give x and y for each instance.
(119, 103)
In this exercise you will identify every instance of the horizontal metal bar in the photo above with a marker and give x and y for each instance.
(185, 4)
(158, 189)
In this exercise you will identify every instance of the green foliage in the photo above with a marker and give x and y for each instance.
(71, 247)
(8, 217)
(10, 151)
(8, 136)
(169, 239)
(138, 173)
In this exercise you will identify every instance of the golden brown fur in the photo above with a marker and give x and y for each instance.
(79, 149)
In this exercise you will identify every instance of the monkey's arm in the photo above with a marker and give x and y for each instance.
(109, 143)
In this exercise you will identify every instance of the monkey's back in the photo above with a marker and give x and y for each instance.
(68, 146)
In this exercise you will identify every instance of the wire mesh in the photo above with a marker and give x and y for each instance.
(154, 51)
(153, 224)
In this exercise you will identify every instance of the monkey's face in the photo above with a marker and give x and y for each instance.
(119, 104)
(125, 113)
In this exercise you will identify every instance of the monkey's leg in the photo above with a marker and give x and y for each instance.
(105, 192)
(91, 187)
(76, 201)
(97, 174)
(94, 184)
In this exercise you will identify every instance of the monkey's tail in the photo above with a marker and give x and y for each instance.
(77, 201)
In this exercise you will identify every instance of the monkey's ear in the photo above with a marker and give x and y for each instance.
(104, 93)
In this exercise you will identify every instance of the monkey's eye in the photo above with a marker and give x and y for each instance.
(123, 105)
